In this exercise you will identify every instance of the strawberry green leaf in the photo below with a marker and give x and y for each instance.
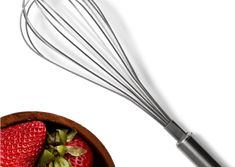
(65, 131)
(56, 163)
(71, 135)
(61, 149)
(45, 158)
(62, 136)
(51, 164)
(61, 162)
(51, 148)
(75, 150)
(57, 138)
(50, 138)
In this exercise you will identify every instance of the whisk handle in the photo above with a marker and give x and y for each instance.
(196, 153)
(191, 147)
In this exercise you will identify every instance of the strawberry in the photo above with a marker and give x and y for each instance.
(84, 160)
(64, 148)
(22, 144)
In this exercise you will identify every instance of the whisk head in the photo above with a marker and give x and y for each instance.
(76, 36)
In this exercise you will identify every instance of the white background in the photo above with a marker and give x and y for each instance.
(186, 47)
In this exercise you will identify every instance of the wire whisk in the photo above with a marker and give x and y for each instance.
(76, 36)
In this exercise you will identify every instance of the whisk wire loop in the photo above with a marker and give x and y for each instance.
(106, 70)
(115, 75)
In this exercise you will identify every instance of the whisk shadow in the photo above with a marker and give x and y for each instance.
(126, 39)
(127, 42)
(213, 153)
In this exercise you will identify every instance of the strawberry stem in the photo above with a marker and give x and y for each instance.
(45, 158)
(56, 149)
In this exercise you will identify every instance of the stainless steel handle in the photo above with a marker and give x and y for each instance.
(196, 153)
(191, 147)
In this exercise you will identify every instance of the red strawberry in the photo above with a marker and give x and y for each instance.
(21, 144)
(85, 160)
(64, 148)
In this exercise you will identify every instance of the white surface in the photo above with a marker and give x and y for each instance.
(188, 49)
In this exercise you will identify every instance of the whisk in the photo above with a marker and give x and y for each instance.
(76, 36)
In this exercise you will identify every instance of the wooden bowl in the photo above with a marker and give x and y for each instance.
(101, 155)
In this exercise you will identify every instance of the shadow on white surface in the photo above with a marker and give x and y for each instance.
(128, 44)
(212, 152)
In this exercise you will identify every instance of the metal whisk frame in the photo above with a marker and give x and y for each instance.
(76, 36)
